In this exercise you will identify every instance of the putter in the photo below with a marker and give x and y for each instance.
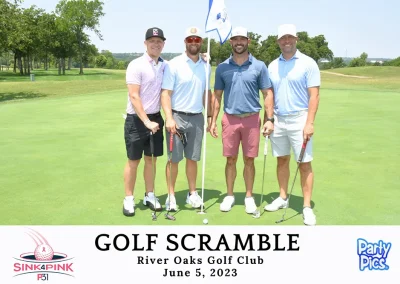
(257, 214)
(303, 149)
(171, 145)
(153, 214)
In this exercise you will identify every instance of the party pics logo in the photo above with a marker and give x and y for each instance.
(373, 256)
(43, 261)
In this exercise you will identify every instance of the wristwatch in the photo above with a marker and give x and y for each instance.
(271, 119)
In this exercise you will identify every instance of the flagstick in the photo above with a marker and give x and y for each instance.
(205, 127)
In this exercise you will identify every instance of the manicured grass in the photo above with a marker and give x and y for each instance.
(63, 157)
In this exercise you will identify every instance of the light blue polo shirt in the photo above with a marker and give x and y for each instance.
(187, 81)
(291, 80)
(241, 84)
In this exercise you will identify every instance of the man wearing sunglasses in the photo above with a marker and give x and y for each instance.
(240, 78)
(182, 99)
(143, 78)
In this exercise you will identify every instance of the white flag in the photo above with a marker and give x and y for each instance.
(217, 19)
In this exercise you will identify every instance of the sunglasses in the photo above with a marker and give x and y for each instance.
(193, 39)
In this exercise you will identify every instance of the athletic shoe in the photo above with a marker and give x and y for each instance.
(170, 203)
(309, 217)
(277, 204)
(250, 205)
(151, 201)
(227, 203)
(129, 206)
(194, 200)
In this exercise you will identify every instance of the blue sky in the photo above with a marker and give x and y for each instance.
(350, 26)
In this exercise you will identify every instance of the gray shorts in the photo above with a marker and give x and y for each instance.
(288, 135)
(192, 127)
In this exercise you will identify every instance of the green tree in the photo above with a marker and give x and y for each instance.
(79, 15)
(359, 61)
(254, 45)
(101, 61)
(269, 49)
(121, 65)
(394, 62)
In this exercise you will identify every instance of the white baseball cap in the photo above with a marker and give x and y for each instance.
(239, 31)
(286, 29)
(193, 31)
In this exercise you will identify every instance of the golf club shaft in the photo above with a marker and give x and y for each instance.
(301, 156)
(152, 167)
(265, 159)
(171, 147)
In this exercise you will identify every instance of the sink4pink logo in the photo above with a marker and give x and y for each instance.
(43, 261)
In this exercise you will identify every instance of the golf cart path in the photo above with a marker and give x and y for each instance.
(343, 75)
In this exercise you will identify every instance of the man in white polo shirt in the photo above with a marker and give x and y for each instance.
(182, 99)
(296, 79)
(144, 78)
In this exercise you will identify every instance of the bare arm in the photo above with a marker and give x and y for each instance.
(268, 110)
(313, 103)
(166, 106)
(216, 105)
(134, 91)
(134, 97)
(268, 103)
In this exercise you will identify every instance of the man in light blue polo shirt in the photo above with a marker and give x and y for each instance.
(182, 97)
(296, 79)
(240, 78)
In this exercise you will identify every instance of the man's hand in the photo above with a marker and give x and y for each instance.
(268, 128)
(209, 120)
(153, 126)
(308, 131)
(170, 124)
(213, 130)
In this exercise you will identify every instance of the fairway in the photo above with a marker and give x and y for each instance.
(63, 154)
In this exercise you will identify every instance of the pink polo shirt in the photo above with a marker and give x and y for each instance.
(145, 72)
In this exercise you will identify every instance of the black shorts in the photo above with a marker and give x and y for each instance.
(137, 137)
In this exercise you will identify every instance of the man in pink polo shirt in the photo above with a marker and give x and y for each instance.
(144, 77)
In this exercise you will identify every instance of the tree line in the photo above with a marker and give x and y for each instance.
(33, 36)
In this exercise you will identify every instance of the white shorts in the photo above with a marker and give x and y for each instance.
(288, 134)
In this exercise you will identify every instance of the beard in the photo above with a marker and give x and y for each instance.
(193, 49)
(239, 48)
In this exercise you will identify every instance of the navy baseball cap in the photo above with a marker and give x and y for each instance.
(155, 32)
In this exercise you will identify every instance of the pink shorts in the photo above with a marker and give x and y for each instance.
(246, 130)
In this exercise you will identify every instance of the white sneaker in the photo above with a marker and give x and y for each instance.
(194, 200)
(170, 203)
(227, 203)
(309, 217)
(250, 205)
(151, 201)
(277, 204)
(128, 209)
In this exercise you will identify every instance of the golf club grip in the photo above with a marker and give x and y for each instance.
(171, 141)
(151, 143)
(303, 150)
(266, 146)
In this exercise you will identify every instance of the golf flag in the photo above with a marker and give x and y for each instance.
(217, 19)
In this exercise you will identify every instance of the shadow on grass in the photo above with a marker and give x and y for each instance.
(20, 96)
(295, 203)
(181, 201)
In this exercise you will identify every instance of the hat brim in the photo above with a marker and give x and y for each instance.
(291, 34)
(163, 38)
(239, 36)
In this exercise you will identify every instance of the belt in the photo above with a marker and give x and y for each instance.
(294, 113)
(242, 115)
(185, 113)
(148, 114)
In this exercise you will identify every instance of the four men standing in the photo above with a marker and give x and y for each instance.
(290, 88)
